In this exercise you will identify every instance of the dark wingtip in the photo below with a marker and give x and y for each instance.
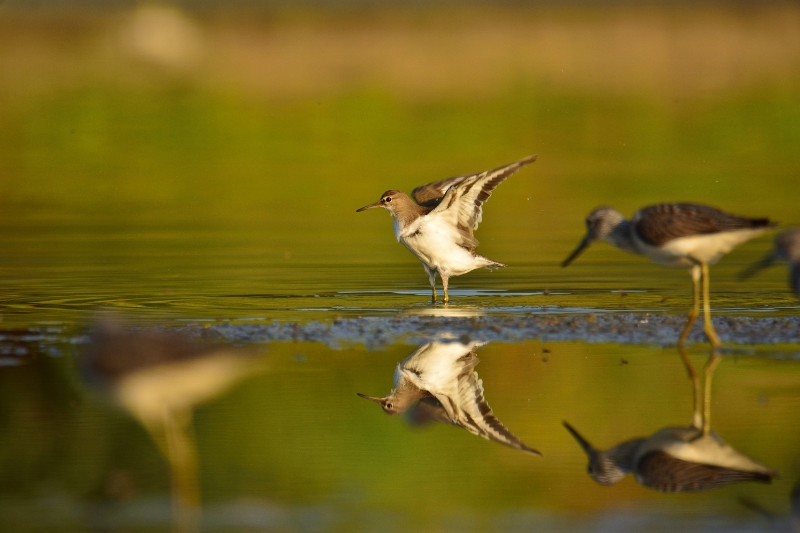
(763, 223)
(765, 477)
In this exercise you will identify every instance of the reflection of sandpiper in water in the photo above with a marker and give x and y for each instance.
(441, 377)
(678, 235)
(159, 378)
(438, 229)
(677, 459)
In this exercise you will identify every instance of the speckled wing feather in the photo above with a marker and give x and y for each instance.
(463, 203)
(661, 471)
(659, 224)
(431, 194)
(469, 409)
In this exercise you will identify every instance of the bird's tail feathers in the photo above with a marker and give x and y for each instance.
(490, 263)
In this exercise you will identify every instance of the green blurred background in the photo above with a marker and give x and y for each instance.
(202, 161)
(153, 153)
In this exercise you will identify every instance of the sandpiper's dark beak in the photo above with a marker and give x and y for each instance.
(588, 448)
(371, 398)
(370, 206)
(578, 251)
(756, 267)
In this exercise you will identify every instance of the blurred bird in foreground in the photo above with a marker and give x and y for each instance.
(787, 248)
(440, 376)
(438, 229)
(159, 377)
(677, 459)
(680, 235)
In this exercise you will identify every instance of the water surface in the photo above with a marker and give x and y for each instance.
(212, 197)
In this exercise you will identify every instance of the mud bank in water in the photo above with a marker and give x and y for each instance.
(623, 328)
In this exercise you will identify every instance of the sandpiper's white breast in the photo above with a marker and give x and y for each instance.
(434, 242)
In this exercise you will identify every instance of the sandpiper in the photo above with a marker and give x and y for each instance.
(787, 248)
(438, 229)
(675, 458)
(441, 376)
(678, 235)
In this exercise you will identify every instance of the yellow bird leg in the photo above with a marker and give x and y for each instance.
(708, 327)
(694, 312)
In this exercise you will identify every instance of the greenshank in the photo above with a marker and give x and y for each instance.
(677, 235)
(438, 229)
(440, 378)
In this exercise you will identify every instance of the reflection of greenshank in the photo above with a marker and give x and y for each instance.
(787, 248)
(675, 235)
(438, 229)
(676, 459)
(159, 378)
(442, 377)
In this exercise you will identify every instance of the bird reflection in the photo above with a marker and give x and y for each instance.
(438, 383)
(159, 377)
(677, 459)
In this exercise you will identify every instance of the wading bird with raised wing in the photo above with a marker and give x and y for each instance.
(438, 229)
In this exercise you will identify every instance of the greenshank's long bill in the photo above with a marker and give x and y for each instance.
(441, 377)
(787, 248)
(438, 229)
(679, 235)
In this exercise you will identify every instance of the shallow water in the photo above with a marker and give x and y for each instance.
(226, 212)
(290, 447)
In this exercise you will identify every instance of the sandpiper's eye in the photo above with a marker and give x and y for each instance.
(388, 406)
(387, 199)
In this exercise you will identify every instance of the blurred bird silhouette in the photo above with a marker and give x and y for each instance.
(159, 377)
(787, 248)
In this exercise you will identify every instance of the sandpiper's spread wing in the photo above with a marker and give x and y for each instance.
(463, 202)
(660, 471)
(661, 223)
(467, 407)
(431, 194)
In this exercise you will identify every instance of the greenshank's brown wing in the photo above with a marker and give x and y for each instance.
(661, 223)
(661, 471)
(467, 407)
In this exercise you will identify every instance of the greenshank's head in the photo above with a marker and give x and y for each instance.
(600, 225)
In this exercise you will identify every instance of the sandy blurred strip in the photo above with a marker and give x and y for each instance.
(666, 51)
